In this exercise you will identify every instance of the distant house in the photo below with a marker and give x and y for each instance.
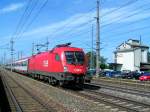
(131, 55)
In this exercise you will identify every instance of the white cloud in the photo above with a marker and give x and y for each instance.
(131, 13)
(74, 23)
(63, 26)
(11, 8)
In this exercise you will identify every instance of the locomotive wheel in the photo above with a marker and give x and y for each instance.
(52, 81)
(60, 83)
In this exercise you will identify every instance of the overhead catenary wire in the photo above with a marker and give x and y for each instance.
(21, 22)
(72, 29)
(86, 32)
(4, 45)
(78, 33)
(27, 19)
(138, 28)
(34, 18)
(80, 26)
(129, 24)
(124, 5)
(132, 30)
(67, 25)
(45, 4)
(21, 19)
(127, 32)
(126, 17)
(26, 15)
(39, 12)
(120, 7)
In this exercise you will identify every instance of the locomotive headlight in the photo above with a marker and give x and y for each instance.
(65, 69)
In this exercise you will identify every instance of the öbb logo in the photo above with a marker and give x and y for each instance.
(45, 63)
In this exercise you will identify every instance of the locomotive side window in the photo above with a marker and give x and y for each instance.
(57, 58)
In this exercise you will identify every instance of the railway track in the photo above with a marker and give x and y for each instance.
(21, 100)
(71, 102)
(123, 80)
(116, 102)
(134, 84)
(113, 101)
(106, 102)
(122, 89)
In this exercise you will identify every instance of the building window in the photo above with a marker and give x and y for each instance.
(57, 58)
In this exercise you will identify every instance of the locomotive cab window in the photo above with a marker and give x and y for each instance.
(57, 57)
(74, 57)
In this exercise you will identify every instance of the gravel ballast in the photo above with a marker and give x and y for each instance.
(59, 99)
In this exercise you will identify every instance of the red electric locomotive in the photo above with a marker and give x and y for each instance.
(62, 65)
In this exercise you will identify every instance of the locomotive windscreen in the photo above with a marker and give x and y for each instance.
(74, 57)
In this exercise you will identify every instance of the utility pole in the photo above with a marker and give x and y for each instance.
(1, 61)
(18, 55)
(12, 52)
(21, 54)
(32, 49)
(4, 58)
(47, 43)
(141, 49)
(92, 66)
(97, 41)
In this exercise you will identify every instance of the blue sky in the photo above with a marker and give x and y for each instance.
(70, 21)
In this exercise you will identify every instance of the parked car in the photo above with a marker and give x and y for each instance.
(136, 75)
(126, 71)
(131, 75)
(102, 74)
(113, 73)
(117, 74)
(108, 74)
(92, 71)
(145, 77)
(89, 75)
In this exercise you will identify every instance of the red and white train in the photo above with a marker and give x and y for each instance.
(61, 65)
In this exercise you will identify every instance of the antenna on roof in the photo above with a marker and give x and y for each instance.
(140, 40)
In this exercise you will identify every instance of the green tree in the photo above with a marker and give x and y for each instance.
(148, 57)
(91, 57)
(92, 60)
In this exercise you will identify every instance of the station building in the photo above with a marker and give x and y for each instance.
(131, 55)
